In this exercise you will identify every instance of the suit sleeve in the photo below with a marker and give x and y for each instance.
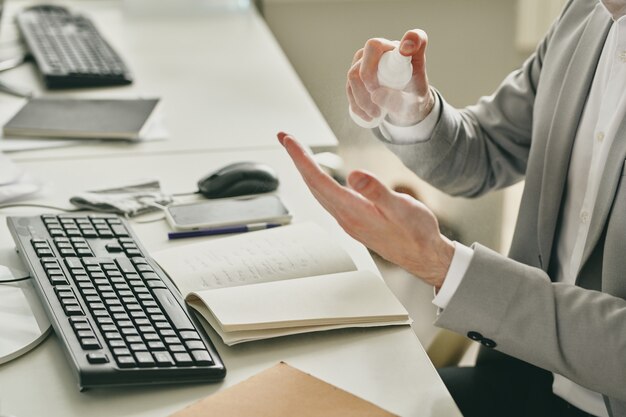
(575, 332)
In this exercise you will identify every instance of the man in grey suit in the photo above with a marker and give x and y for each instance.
(551, 315)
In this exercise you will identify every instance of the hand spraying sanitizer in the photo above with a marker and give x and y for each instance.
(394, 71)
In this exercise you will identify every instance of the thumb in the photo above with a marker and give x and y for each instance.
(375, 191)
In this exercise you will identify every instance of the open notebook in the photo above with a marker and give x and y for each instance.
(288, 280)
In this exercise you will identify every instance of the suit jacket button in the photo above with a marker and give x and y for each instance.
(488, 343)
(475, 336)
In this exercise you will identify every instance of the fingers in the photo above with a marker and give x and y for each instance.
(354, 106)
(388, 202)
(317, 180)
(414, 43)
(374, 49)
(363, 78)
(357, 56)
(358, 95)
(342, 203)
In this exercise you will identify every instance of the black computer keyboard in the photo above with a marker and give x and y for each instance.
(120, 319)
(69, 50)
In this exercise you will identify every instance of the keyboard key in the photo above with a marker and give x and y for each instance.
(117, 343)
(126, 361)
(163, 358)
(96, 358)
(156, 345)
(172, 340)
(138, 314)
(81, 326)
(137, 347)
(104, 320)
(190, 335)
(58, 280)
(125, 265)
(183, 359)
(119, 230)
(201, 357)
(129, 331)
(195, 344)
(85, 333)
(73, 310)
(113, 248)
(156, 284)
(177, 348)
(174, 311)
(144, 359)
(90, 343)
(146, 329)
(121, 352)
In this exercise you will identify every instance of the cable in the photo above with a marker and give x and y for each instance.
(7, 281)
(12, 275)
(3, 206)
(162, 217)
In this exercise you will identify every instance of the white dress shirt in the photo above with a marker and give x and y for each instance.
(604, 111)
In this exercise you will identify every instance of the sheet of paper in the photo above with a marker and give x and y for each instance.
(286, 252)
(348, 297)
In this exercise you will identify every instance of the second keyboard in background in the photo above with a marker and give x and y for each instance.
(69, 50)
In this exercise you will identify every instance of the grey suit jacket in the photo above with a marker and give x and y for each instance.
(526, 130)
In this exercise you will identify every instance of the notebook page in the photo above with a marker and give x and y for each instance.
(293, 251)
(349, 297)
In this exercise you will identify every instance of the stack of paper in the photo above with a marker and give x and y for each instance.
(276, 282)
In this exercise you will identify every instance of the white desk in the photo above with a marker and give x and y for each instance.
(385, 366)
(224, 81)
(220, 106)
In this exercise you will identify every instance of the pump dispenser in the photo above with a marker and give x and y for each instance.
(395, 72)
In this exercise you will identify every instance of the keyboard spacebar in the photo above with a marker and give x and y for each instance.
(173, 310)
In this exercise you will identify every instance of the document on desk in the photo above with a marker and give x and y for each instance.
(275, 282)
(283, 391)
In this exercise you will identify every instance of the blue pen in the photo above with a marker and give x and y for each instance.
(222, 230)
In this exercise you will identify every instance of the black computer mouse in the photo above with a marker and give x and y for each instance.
(239, 178)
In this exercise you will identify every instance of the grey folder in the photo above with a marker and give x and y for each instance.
(80, 118)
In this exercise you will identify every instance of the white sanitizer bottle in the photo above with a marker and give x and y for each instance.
(394, 71)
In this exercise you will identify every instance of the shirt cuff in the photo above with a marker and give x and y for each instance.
(458, 267)
(419, 132)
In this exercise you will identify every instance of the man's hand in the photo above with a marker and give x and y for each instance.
(396, 226)
(367, 97)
